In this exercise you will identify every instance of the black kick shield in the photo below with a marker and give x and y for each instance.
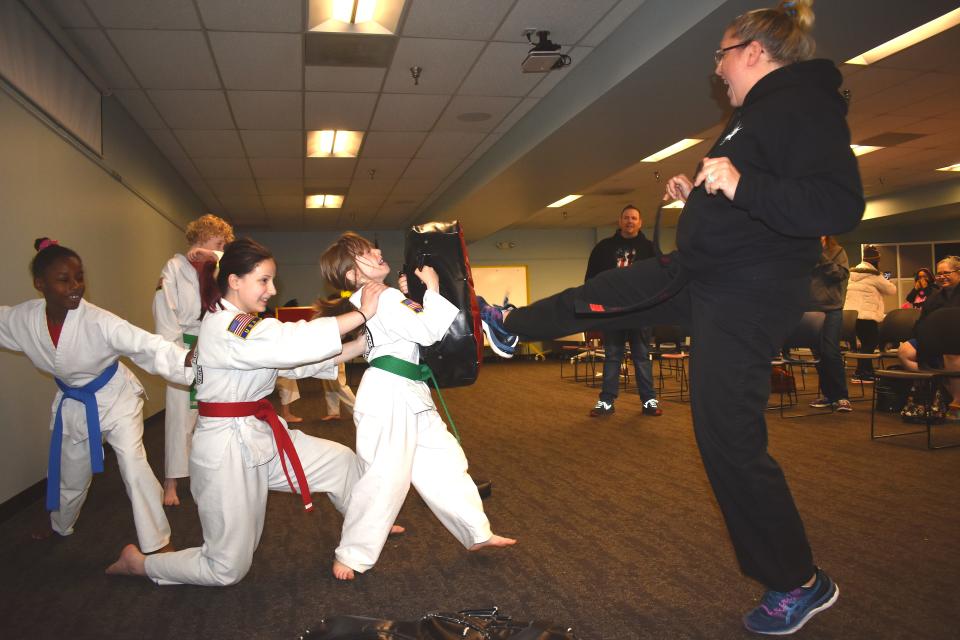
(455, 360)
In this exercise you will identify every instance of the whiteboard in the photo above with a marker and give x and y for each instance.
(493, 283)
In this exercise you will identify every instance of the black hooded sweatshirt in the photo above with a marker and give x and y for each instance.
(799, 180)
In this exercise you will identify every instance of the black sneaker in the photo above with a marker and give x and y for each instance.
(652, 408)
(783, 612)
(601, 409)
(862, 378)
(821, 403)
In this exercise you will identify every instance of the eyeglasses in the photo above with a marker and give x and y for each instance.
(944, 274)
(719, 53)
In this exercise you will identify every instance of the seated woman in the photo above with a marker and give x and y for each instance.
(924, 286)
(948, 276)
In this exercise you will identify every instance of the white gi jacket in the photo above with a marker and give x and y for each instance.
(91, 340)
(237, 360)
(176, 307)
(399, 328)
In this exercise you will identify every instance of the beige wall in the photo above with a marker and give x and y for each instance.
(49, 188)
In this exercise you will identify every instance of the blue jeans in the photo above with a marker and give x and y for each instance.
(613, 349)
(830, 369)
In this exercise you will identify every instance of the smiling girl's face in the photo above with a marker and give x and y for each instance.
(251, 291)
(62, 285)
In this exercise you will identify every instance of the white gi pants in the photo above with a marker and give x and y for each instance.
(395, 452)
(179, 422)
(232, 501)
(288, 390)
(336, 393)
(145, 493)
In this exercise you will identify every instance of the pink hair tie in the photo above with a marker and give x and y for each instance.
(46, 242)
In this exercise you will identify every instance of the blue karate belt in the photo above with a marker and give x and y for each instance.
(418, 372)
(87, 394)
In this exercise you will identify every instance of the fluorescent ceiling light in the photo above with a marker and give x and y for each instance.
(908, 39)
(677, 147)
(952, 167)
(331, 143)
(324, 201)
(354, 11)
(676, 204)
(864, 149)
(563, 201)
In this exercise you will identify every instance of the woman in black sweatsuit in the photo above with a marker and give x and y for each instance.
(781, 175)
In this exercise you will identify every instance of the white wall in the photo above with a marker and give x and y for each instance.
(49, 188)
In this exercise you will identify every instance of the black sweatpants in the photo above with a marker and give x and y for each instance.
(737, 322)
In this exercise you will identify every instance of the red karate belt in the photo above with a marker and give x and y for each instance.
(263, 410)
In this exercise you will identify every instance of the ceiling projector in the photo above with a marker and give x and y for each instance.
(543, 55)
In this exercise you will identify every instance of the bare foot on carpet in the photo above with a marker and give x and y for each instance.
(335, 416)
(170, 498)
(396, 530)
(130, 563)
(494, 541)
(41, 532)
(342, 571)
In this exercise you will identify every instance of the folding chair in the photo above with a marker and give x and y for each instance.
(938, 334)
(897, 327)
(806, 335)
(669, 353)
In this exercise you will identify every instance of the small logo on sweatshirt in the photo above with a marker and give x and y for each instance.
(735, 131)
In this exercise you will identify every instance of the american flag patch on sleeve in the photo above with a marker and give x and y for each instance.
(242, 325)
(414, 306)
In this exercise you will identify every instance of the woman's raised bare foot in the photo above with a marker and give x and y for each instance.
(289, 417)
(342, 571)
(335, 416)
(396, 530)
(130, 563)
(170, 498)
(494, 541)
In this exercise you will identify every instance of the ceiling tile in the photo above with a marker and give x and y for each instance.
(364, 187)
(333, 185)
(392, 144)
(868, 81)
(408, 187)
(229, 188)
(220, 143)
(348, 111)
(280, 186)
(240, 201)
(611, 21)
(450, 144)
(252, 15)
(145, 14)
(566, 20)
(364, 202)
(277, 167)
(444, 64)
(518, 112)
(193, 109)
(267, 110)
(168, 144)
(167, 59)
(498, 72)
(465, 19)
(223, 168)
(138, 106)
(71, 14)
(273, 144)
(384, 169)
(95, 47)
(488, 142)
(433, 169)
(277, 203)
(258, 60)
(497, 107)
(365, 79)
(322, 168)
(404, 112)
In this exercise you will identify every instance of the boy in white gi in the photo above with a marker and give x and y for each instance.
(240, 449)
(401, 438)
(176, 312)
(79, 345)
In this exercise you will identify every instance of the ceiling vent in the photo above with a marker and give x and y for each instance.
(890, 139)
(348, 50)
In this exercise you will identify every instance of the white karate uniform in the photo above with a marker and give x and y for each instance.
(176, 311)
(90, 341)
(288, 390)
(401, 438)
(234, 461)
(337, 393)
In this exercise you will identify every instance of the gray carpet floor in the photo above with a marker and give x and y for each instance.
(619, 533)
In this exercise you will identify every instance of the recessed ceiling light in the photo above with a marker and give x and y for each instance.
(331, 143)
(354, 11)
(864, 149)
(473, 116)
(675, 148)
(324, 201)
(952, 167)
(563, 201)
(676, 204)
(908, 39)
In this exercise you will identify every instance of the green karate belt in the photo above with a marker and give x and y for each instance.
(419, 372)
(191, 342)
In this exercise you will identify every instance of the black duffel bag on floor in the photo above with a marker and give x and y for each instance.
(472, 624)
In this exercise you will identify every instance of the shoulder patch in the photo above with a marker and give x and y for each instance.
(414, 306)
(242, 325)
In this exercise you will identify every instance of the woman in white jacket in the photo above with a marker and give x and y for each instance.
(865, 293)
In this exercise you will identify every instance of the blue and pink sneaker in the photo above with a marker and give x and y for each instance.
(501, 341)
(783, 612)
